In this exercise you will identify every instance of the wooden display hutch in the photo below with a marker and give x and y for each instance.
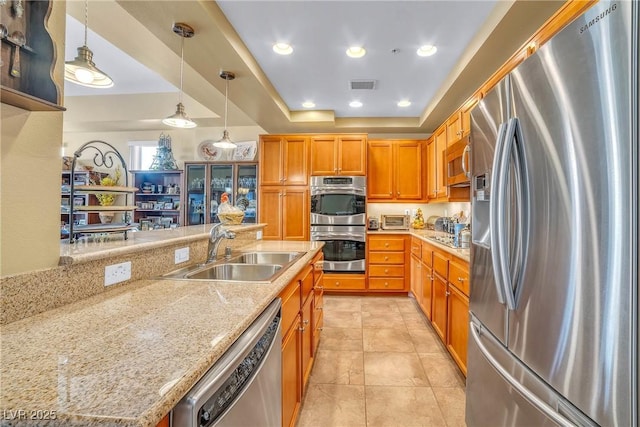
(104, 156)
(28, 56)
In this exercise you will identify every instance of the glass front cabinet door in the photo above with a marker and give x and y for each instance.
(205, 184)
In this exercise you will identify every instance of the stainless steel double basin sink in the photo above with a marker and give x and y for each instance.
(246, 267)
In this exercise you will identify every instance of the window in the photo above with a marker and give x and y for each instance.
(141, 154)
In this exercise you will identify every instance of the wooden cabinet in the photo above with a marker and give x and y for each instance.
(285, 210)
(395, 170)
(454, 128)
(432, 180)
(284, 160)
(436, 158)
(339, 154)
(387, 262)
(344, 282)
(301, 326)
(457, 326)
(439, 306)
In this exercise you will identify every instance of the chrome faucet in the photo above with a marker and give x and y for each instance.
(217, 233)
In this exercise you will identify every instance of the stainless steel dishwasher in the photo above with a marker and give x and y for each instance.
(244, 387)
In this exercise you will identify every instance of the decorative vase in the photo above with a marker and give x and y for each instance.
(106, 217)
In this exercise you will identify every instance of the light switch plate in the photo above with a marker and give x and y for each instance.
(182, 255)
(117, 273)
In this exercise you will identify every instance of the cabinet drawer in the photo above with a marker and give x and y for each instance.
(290, 304)
(386, 243)
(427, 255)
(386, 257)
(440, 264)
(379, 283)
(416, 247)
(339, 282)
(459, 276)
(386, 270)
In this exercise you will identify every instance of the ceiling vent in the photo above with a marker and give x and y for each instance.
(362, 84)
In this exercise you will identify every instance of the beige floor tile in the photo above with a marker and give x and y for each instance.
(402, 406)
(407, 305)
(425, 340)
(338, 367)
(415, 320)
(342, 319)
(341, 339)
(329, 405)
(441, 370)
(345, 303)
(452, 404)
(381, 319)
(394, 340)
(380, 304)
(395, 369)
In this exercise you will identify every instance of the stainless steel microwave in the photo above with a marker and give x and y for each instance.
(394, 222)
(458, 171)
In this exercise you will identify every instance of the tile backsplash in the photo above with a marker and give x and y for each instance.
(439, 209)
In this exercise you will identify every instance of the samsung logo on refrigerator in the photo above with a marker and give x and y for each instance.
(597, 19)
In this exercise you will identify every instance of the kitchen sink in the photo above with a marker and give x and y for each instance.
(280, 258)
(236, 272)
(244, 267)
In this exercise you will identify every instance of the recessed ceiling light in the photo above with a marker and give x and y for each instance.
(355, 104)
(404, 103)
(308, 104)
(426, 50)
(356, 52)
(282, 49)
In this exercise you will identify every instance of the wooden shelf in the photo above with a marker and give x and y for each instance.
(26, 101)
(95, 208)
(103, 228)
(99, 189)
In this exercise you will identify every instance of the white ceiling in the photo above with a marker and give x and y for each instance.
(269, 88)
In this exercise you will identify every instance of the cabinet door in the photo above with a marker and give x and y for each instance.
(271, 155)
(454, 128)
(324, 154)
(307, 342)
(380, 177)
(408, 170)
(439, 306)
(441, 158)
(197, 203)
(416, 279)
(291, 375)
(465, 117)
(270, 212)
(296, 160)
(432, 183)
(352, 155)
(427, 290)
(295, 213)
(458, 326)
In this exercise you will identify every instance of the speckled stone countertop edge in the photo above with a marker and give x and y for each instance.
(76, 253)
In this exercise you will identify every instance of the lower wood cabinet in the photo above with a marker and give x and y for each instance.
(458, 326)
(387, 262)
(344, 282)
(301, 325)
(439, 306)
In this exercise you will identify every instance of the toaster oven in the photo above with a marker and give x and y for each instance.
(394, 222)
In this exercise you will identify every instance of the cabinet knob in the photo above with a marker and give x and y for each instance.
(302, 329)
(306, 322)
(386, 258)
(386, 285)
(398, 193)
(461, 279)
(390, 193)
(447, 293)
(386, 271)
(386, 245)
(418, 267)
(337, 283)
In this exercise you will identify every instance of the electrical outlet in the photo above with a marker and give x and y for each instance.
(117, 273)
(406, 211)
(182, 255)
(259, 235)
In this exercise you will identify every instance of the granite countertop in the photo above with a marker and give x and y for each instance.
(426, 235)
(127, 356)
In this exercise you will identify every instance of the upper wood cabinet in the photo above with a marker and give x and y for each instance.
(285, 210)
(339, 154)
(284, 160)
(396, 170)
(454, 128)
(436, 158)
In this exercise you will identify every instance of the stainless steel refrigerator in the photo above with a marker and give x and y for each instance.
(554, 257)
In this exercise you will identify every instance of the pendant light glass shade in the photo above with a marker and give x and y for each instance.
(180, 118)
(226, 142)
(82, 70)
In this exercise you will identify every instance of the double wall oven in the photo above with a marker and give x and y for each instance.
(338, 217)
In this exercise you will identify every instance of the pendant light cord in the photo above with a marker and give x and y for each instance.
(226, 101)
(181, 67)
(86, 20)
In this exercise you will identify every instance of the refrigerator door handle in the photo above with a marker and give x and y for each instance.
(513, 382)
(494, 213)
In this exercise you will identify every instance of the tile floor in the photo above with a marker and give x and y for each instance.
(379, 363)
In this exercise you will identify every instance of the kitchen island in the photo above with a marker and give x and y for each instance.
(125, 357)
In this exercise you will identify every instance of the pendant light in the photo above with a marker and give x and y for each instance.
(226, 142)
(83, 70)
(180, 118)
